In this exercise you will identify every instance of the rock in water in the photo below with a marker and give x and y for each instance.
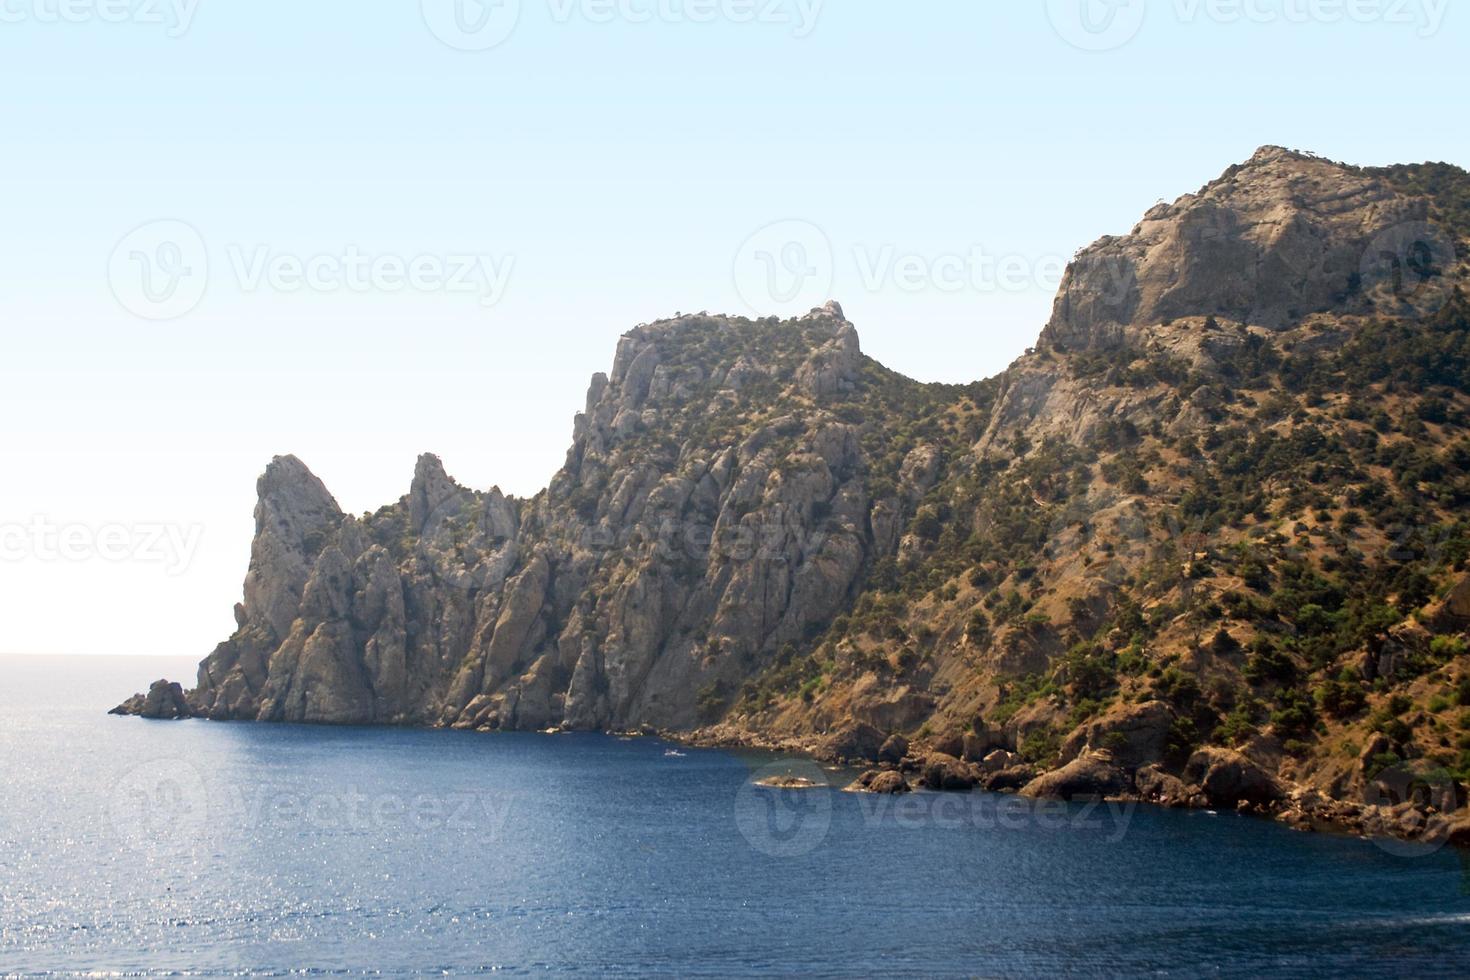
(788, 782)
(165, 700)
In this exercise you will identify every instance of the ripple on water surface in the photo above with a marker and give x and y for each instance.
(191, 847)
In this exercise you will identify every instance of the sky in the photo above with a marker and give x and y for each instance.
(357, 232)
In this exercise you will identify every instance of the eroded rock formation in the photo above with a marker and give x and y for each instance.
(1161, 556)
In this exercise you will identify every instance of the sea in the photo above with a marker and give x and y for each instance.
(195, 848)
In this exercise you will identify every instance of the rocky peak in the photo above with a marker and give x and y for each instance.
(691, 363)
(294, 514)
(1282, 236)
(1271, 153)
(291, 500)
(431, 492)
(832, 367)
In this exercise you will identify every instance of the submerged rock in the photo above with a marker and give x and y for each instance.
(788, 782)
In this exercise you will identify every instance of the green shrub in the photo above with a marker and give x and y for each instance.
(1183, 740)
(1178, 688)
(977, 630)
(1296, 717)
(1448, 647)
(1236, 729)
(1380, 762)
(1342, 699)
(1268, 662)
(1041, 746)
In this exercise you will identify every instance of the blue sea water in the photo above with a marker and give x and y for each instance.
(201, 848)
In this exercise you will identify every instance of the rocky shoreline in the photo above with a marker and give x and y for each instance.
(1211, 779)
(1195, 548)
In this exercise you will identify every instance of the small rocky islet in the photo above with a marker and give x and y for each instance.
(1203, 545)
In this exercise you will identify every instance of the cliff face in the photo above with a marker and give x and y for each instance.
(1217, 510)
(1274, 240)
(720, 502)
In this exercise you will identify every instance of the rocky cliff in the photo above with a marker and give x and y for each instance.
(728, 485)
(1203, 544)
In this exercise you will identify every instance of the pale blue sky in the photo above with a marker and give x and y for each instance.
(617, 170)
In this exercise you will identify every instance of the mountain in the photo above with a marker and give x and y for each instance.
(1203, 545)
